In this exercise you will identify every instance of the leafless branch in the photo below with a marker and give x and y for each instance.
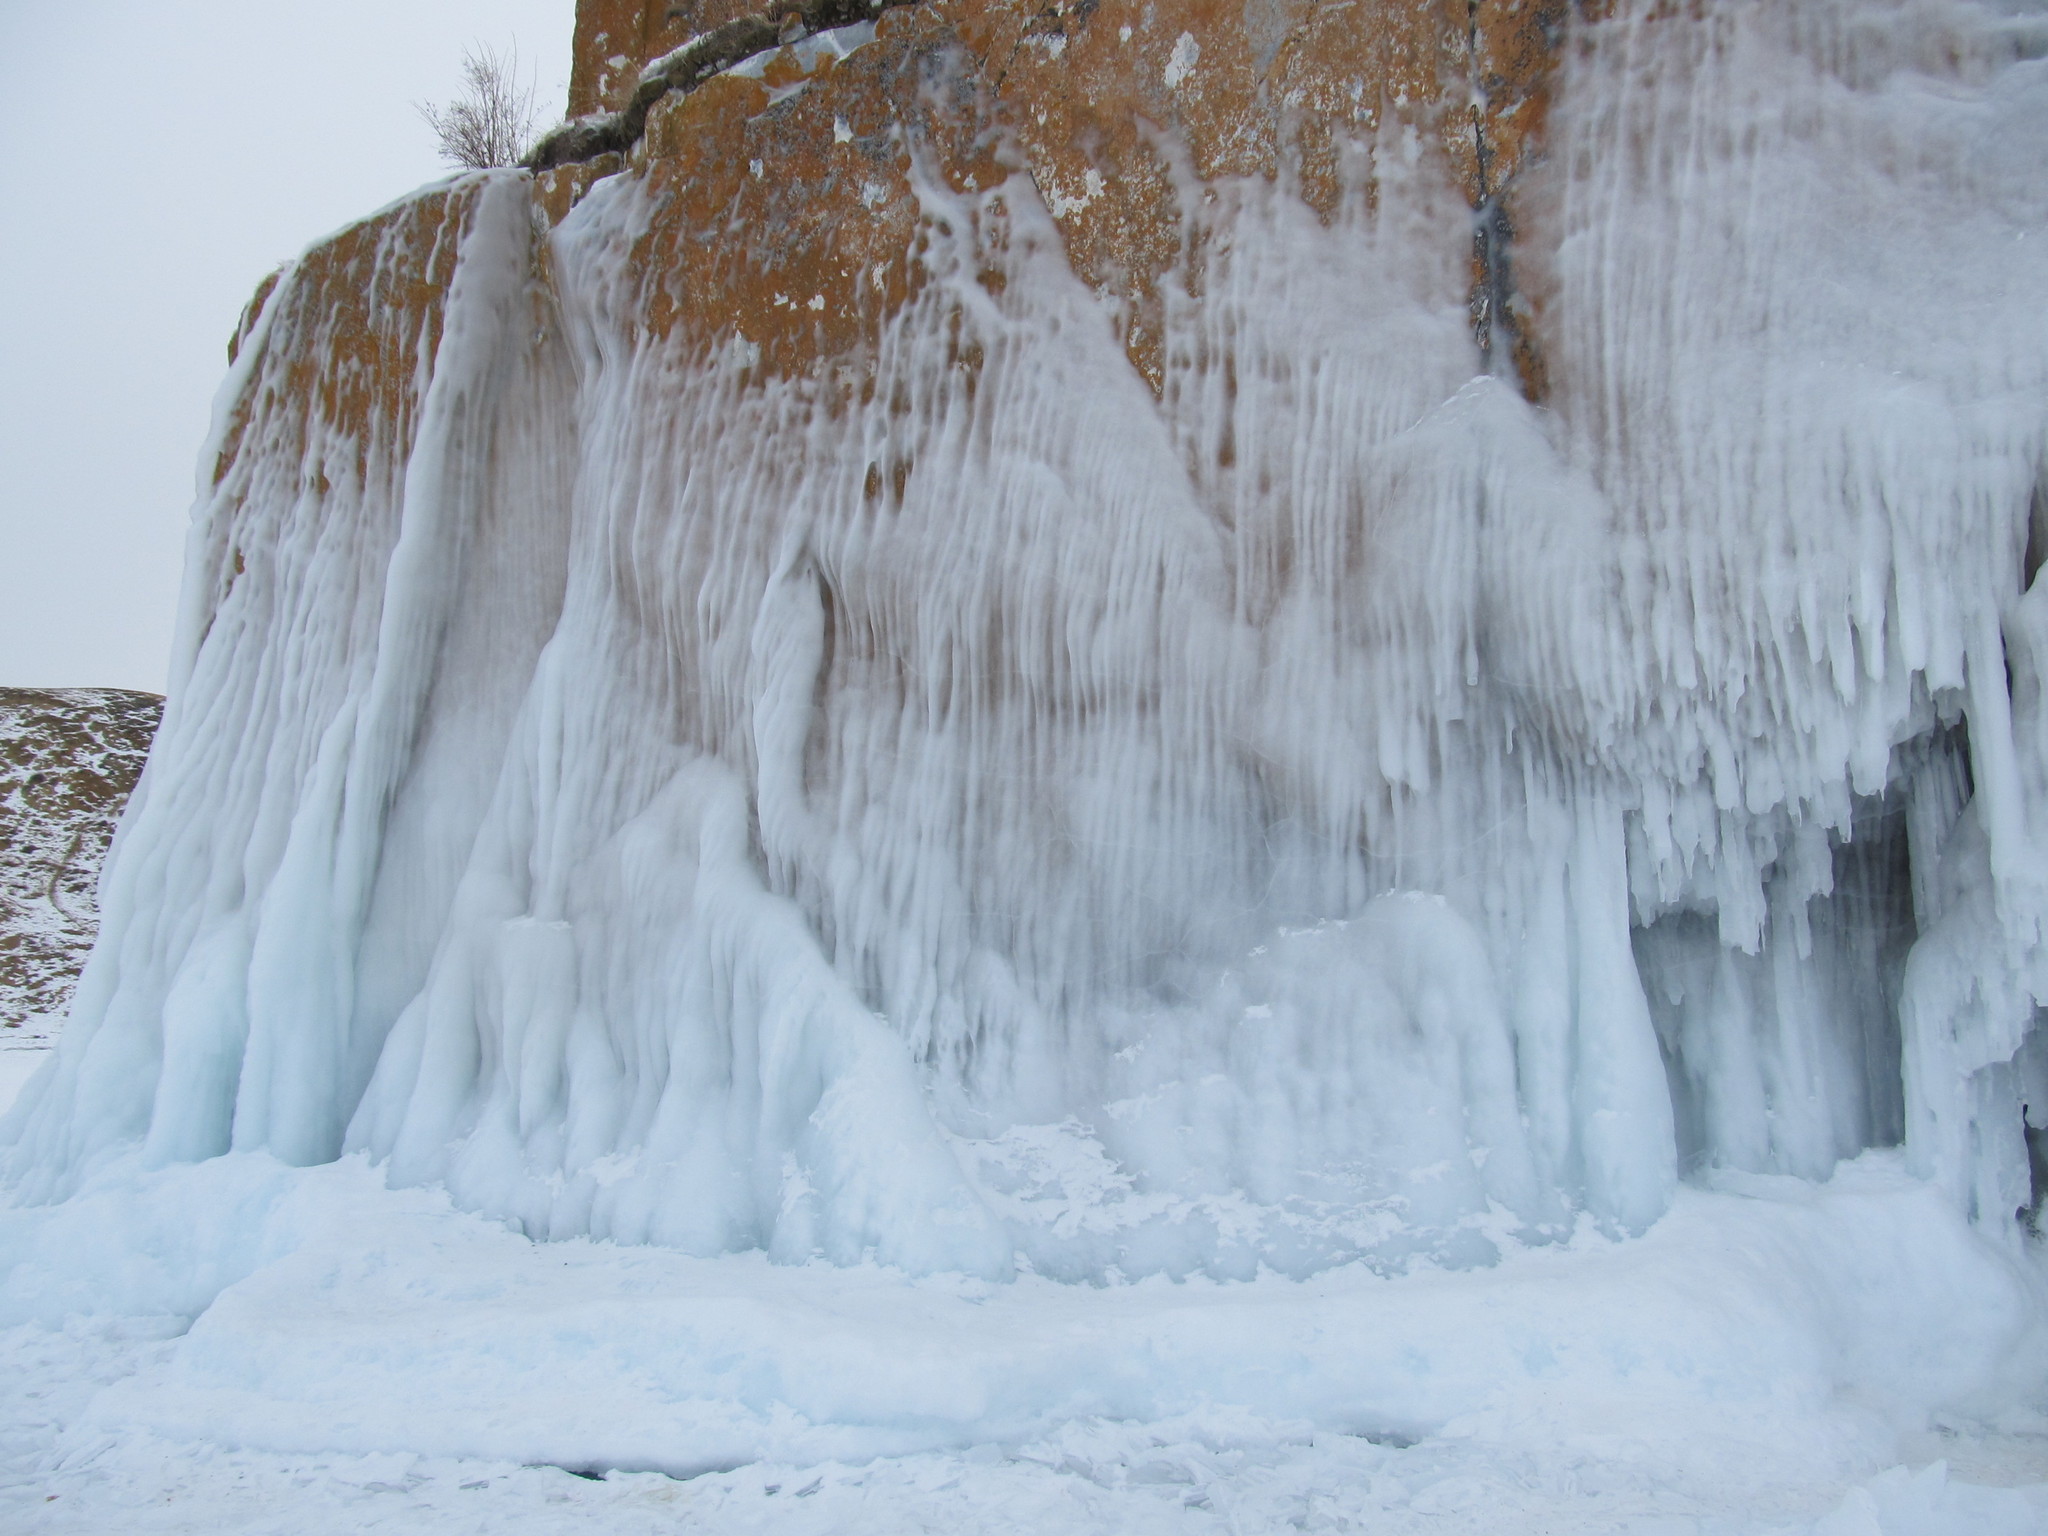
(491, 122)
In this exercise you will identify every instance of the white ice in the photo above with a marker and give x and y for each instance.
(1334, 822)
(23, 1049)
(589, 792)
(243, 1345)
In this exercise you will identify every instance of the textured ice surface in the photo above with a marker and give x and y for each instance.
(22, 1050)
(1215, 914)
(243, 1345)
(1334, 810)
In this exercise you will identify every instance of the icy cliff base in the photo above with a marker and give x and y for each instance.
(245, 1344)
(947, 802)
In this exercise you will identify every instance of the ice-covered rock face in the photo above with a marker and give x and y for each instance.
(1156, 638)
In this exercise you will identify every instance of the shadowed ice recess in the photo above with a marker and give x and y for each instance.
(1333, 809)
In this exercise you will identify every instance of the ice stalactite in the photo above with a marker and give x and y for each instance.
(1783, 234)
(382, 445)
(966, 798)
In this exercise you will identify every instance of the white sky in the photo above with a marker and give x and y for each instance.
(161, 158)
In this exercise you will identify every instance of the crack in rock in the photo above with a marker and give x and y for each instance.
(683, 70)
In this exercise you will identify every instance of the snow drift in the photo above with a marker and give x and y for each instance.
(884, 775)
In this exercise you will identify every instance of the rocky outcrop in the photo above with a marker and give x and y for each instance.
(725, 47)
(1122, 116)
(68, 759)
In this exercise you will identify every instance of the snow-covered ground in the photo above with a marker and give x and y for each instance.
(68, 759)
(22, 1049)
(244, 1346)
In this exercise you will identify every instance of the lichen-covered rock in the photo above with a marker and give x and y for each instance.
(1125, 117)
(68, 759)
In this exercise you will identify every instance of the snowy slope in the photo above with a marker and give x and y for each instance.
(68, 759)
(365, 1361)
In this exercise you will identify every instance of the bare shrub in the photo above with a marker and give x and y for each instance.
(491, 122)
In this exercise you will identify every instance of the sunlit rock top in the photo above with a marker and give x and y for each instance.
(1123, 115)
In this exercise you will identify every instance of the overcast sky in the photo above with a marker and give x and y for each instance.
(161, 158)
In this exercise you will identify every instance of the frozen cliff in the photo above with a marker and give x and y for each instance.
(1156, 638)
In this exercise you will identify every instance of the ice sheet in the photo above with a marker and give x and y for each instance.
(240, 1344)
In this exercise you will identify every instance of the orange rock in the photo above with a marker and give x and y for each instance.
(365, 308)
(613, 39)
(785, 213)
(1120, 113)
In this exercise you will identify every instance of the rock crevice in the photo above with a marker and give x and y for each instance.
(687, 67)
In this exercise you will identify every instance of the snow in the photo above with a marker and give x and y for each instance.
(263, 1347)
(808, 53)
(1326, 949)
(67, 760)
(24, 1048)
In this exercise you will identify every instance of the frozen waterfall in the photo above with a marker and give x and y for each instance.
(976, 810)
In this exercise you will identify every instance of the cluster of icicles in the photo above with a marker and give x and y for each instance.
(1331, 810)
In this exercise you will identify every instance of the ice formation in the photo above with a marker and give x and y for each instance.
(978, 806)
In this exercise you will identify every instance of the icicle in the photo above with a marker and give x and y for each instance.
(965, 803)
